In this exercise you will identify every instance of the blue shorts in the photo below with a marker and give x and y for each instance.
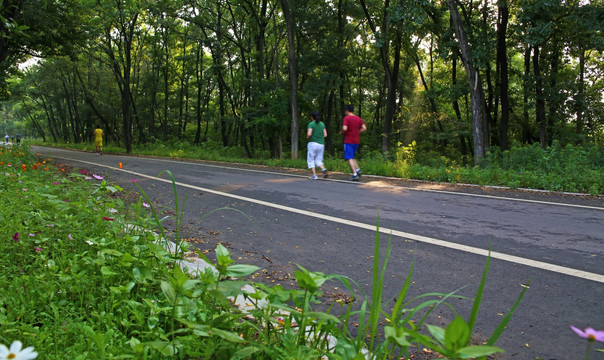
(350, 150)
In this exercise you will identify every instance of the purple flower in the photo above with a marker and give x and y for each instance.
(16, 237)
(38, 249)
(589, 334)
(134, 180)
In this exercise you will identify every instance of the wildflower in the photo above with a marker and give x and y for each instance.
(38, 249)
(113, 211)
(87, 178)
(589, 334)
(146, 205)
(16, 353)
(16, 237)
(24, 189)
(89, 242)
(98, 177)
(50, 225)
(83, 172)
(32, 234)
(134, 180)
(106, 218)
(56, 183)
(70, 237)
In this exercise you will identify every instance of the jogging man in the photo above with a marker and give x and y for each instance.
(352, 127)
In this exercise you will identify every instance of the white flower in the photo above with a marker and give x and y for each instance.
(15, 352)
(113, 211)
(89, 242)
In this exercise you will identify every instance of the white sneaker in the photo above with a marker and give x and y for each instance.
(314, 177)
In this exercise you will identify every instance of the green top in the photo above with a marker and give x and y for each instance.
(317, 132)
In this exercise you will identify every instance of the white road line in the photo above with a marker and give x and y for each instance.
(468, 249)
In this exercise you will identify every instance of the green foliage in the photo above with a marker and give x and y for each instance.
(85, 278)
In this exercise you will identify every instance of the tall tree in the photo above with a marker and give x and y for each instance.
(479, 114)
(293, 77)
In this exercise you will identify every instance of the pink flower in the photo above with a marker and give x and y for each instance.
(146, 205)
(38, 249)
(56, 183)
(589, 334)
(32, 234)
(134, 180)
(70, 237)
(106, 218)
(16, 237)
(83, 172)
(98, 177)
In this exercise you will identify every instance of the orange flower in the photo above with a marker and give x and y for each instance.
(63, 170)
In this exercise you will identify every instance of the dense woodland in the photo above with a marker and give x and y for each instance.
(457, 77)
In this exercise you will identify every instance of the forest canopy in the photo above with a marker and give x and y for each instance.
(456, 77)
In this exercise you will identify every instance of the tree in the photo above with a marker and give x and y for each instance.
(293, 77)
(479, 114)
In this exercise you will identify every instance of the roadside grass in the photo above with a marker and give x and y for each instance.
(576, 169)
(88, 277)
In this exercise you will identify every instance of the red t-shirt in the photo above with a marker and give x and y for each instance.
(354, 124)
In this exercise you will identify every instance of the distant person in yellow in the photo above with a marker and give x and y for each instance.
(98, 141)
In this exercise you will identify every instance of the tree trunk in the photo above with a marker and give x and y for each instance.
(502, 65)
(293, 78)
(479, 115)
(580, 103)
(540, 101)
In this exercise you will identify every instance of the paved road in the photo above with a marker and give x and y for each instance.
(553, 241)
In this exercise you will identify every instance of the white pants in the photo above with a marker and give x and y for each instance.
(315, 153)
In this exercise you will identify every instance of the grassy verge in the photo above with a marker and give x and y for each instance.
(558, 168)
(85, 278)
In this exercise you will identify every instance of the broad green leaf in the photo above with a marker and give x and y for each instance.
(106, 270)
(240, 270)
(438, 333)
(472, 352)
(141, 274)
(396, 336)
(226, 335)
(223, 258)
(165, 348)
(457, 334)
(245, 353)
(169, 292)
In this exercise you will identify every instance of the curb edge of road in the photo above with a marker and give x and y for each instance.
(436, 183)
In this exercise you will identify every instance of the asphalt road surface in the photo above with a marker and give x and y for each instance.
(555, 242)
